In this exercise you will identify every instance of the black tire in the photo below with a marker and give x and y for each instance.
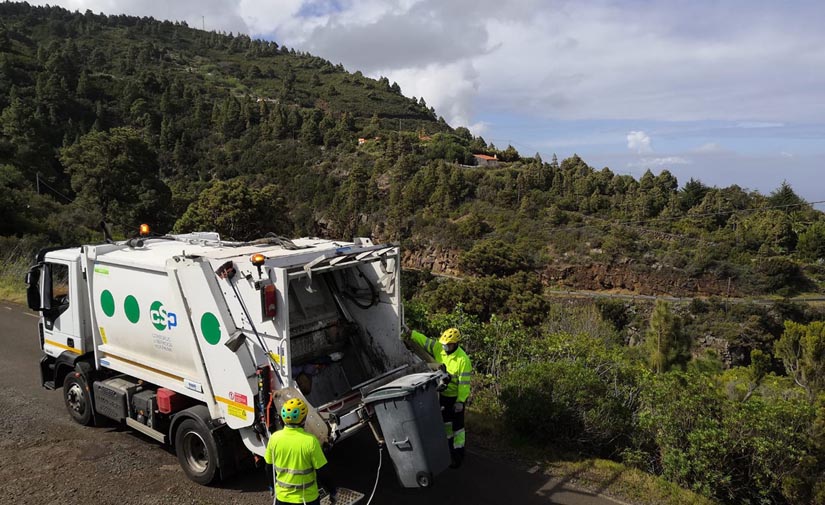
(78, 399)
(197, 452)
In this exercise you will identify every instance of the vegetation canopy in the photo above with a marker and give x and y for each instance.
(720, 390)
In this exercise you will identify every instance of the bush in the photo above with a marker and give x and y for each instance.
(566, 403)
(737, 452)
(493, 257)
(579, 395)
(16, 256)
(781, 275)
(518, 296)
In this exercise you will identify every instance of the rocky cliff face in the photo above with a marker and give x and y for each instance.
(589, 277)
(659, 281)
(436, 259)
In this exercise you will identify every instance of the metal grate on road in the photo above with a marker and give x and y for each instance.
(344, 497)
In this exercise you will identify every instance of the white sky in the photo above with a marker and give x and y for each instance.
(727, 92)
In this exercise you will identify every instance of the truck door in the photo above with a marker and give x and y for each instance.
(60, 316)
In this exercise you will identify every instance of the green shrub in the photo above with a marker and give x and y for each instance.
(737, 452)
(493, 257)
(781, 275)
(16, 256)
(576, 394)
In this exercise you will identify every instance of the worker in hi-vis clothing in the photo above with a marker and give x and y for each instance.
(447, 351)
(296, 457)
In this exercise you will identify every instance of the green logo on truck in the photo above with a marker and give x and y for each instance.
(161, 318)
(107, 303)
(210, 328)
(132, 309)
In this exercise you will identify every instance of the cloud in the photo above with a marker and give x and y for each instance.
(478, 129)
(659, 162)
(449, 88)
(709, 148)
(758, 124)
(639, 141)
(786, 154)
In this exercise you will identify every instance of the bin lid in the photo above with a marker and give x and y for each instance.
(402, 386)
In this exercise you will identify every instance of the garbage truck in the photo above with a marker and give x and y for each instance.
(196, 342)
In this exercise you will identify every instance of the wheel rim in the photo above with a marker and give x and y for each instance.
(195, 452)
(75, 399)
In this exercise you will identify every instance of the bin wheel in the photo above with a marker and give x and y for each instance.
(78, 399)
(424, 479)
(197, 452)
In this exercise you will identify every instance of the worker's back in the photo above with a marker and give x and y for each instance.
(296, 455)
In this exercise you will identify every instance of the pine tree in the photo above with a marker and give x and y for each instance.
(667, 345)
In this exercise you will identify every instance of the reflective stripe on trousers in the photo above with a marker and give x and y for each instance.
(459, 438)
(453, 421)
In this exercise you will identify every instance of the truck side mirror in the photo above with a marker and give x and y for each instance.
(33, 288)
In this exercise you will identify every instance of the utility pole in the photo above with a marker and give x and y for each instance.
(38, 182)
(727, 296)
(203, 23)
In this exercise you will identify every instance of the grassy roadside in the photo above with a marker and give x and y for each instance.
(601, 476)
(625, 483)
(14, 264)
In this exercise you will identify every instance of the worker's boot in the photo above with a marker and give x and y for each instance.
(456, 457)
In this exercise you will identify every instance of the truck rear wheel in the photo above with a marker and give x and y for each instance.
(78, 399)
(197, 452)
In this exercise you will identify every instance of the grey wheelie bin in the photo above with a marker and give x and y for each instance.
(409, 414)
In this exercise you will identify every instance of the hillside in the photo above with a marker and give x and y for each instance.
(212, 117)
(129, 120)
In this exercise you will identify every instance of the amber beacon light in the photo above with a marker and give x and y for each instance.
(145, 230)
(258, 260)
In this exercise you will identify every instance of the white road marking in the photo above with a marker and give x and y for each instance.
(31, 315)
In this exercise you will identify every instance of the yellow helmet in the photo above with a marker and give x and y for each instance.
(450, 336)
(294, 411)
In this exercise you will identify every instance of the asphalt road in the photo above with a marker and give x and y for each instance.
(47, 458)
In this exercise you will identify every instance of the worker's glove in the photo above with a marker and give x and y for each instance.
(458, 407)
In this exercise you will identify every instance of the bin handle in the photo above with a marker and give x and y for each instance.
(406, 443)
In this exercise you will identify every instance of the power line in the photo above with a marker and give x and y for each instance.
(70, 200)
(44, 183)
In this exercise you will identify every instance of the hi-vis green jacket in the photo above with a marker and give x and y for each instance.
(458, 366)
(295, 455)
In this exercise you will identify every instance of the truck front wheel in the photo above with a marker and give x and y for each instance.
(197, 452)
(78, 399)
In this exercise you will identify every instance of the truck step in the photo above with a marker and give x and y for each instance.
(49, 385)
(344, 497)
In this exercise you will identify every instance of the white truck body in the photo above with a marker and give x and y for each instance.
(159, 311)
